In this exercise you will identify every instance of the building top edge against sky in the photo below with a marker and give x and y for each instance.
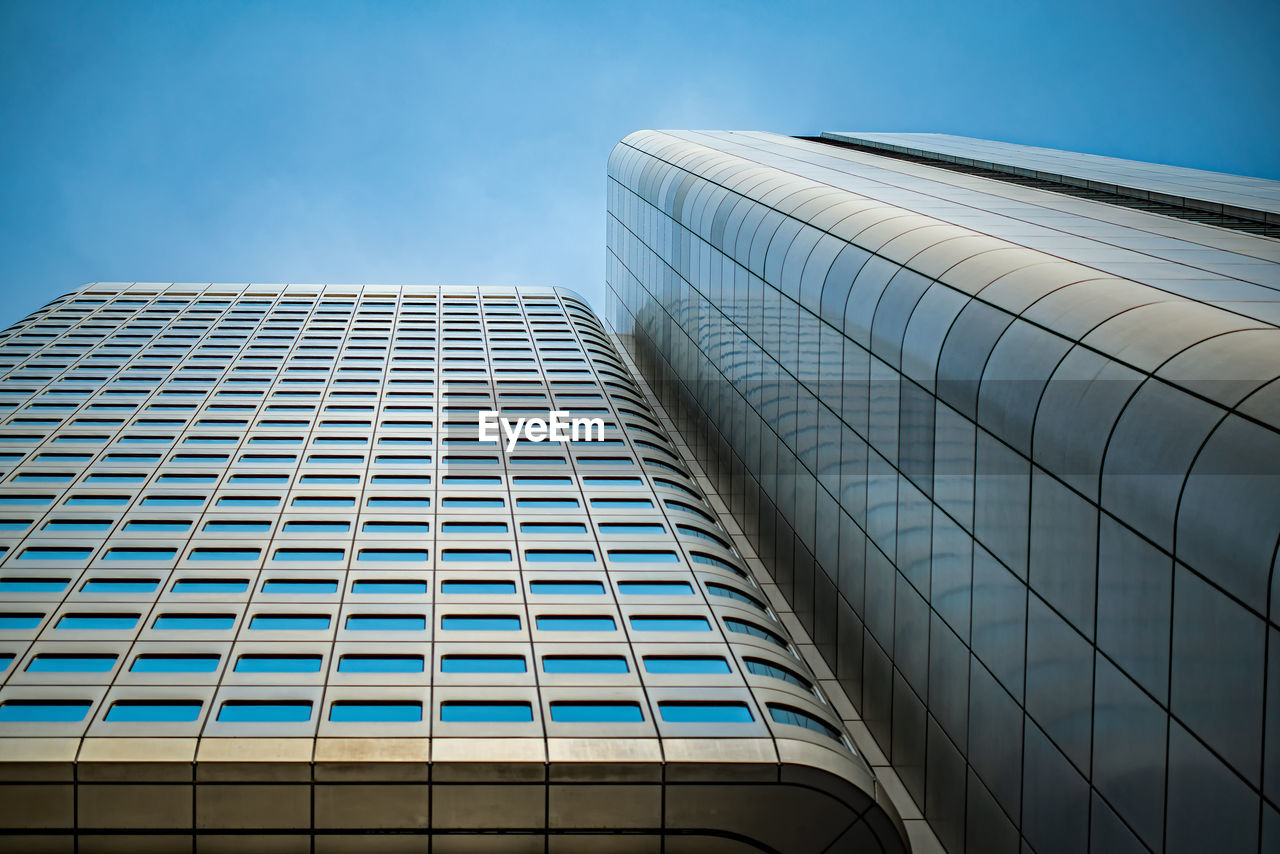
(1253, 197)
(974, 232)
(356, 288)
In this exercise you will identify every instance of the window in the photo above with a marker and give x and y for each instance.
(457, 501)
(299, 586)
(72, 663)
(22, 584)
(382, 711)
(248, 501)
(335, 459)
(679, 711)
(54, 553)
(480, 622)
(148, 501)
(577, 711)
(709, 560)
(43, 711)
(747, 628)
(552, 528)
(399, 501)
(477, 587)
(327, 479)
(473, 527)
(559, 556)
(670, 624)
(480, 712)
(265, 711)
(194, 622)
(655, 588)
(154, 711)
(98, 621)
(165, 663)
(223, 554)
(278, 663)
(409, 528)
(737, 595)
(398, 555)
(138, 553)
(119, 585)
(210, 585)
(688, 508)
(575, 623)
(309, 554)
(27, 477)
(381, 664)
(631, 528)
(316, 527)
(566, 588)
(692, 531)
(389, 587)
(77, 525)
(230, 527)
(26, 499)
(482, 664)
(761, 667)
(642, 556)
(238, 479)
(157, 526)
(325, 501)
(792, 716)
(387, 622)
(584, 664)
(621, 503)
(546, 503)
(473, 555)
(683, 664)
(290, 622)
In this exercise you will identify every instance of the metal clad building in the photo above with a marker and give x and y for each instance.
(1003, 423)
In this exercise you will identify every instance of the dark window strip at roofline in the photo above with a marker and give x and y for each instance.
(1204, 217)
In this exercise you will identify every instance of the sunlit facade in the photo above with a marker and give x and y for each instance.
(264, 588)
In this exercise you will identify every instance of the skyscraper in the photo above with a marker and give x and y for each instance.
(1004, 423)
(264, 587)
(955, 512)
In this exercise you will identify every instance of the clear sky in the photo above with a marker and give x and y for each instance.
(466, 142)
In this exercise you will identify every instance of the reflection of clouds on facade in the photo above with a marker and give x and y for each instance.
(1002, 423)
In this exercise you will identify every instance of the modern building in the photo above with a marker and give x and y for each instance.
(264, 588)
(1003, 424)
(935, 504)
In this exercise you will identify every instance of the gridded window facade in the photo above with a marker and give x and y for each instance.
(1012, 457)
(265, 512)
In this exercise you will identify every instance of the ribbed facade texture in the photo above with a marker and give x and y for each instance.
(264, 588)
(1003, 423)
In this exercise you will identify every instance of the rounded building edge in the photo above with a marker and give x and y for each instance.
(803, 804)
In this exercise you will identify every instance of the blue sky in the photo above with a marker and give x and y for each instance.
(466, 142)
